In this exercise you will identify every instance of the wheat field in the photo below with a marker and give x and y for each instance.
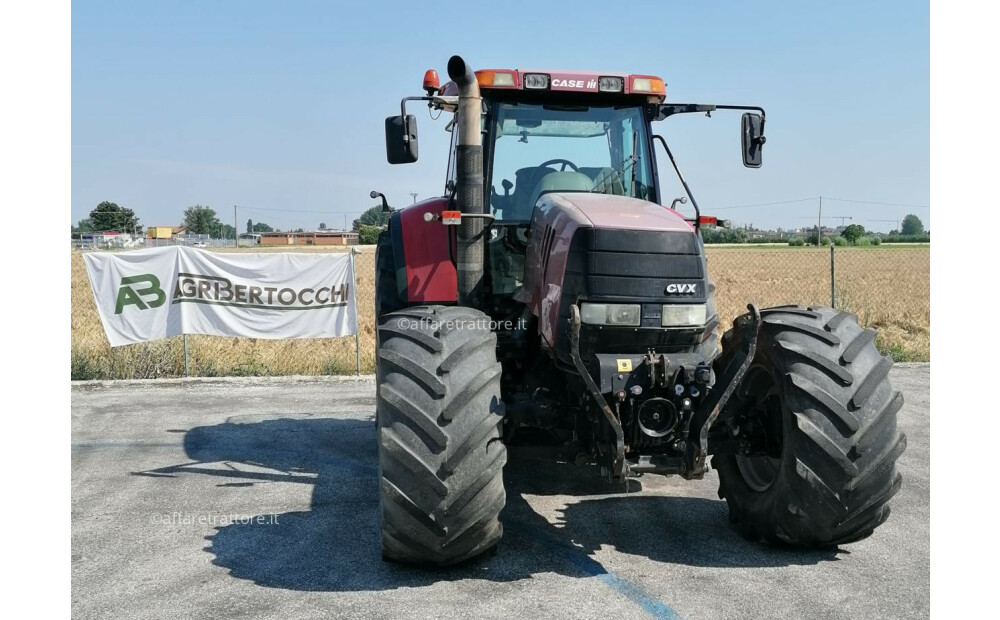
(887, 287)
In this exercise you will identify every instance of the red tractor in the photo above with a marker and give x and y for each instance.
(549, 297)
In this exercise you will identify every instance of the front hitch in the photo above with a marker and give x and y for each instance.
(696, 450)
(616, 455)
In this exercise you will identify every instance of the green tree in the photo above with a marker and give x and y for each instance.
(109, 216)
(84, 225)
(853, 232)
(724, 235)
(260, 227)
(227, 231)
(202, 220)
(374, 216)
(912, 225)
(368, 235)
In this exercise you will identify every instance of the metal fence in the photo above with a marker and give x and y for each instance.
(138, 243)
(887, 287)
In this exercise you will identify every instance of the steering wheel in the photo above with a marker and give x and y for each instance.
(564, 162)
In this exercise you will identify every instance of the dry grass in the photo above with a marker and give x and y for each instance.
(888, 288)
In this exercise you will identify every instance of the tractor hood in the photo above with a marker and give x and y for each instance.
(607, 248)
(615, 212)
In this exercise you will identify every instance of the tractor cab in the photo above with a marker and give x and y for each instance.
(547, 132)
(563, 132)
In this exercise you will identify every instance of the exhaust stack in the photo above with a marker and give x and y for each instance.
(469, 177)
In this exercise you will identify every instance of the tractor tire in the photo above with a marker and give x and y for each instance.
(818, 381)
(386, 291)
(440, 455)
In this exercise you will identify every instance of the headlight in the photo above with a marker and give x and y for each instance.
(536, 81)
(611, 314)
(684, 316)
(610, 84)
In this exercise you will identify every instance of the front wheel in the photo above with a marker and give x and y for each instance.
(818, 393)
(440, 456)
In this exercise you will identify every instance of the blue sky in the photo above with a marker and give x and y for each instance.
(279, 107)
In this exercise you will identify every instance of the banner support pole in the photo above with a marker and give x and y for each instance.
(357, 330)
(185, 337)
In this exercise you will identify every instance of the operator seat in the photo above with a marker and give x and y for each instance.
(558, 181)
(605, 180)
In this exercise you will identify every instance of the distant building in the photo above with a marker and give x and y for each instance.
(165, 232)
(250, 239)
(320, 237)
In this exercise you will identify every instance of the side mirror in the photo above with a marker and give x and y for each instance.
(385, 205)
(401, 139)
(753, 139)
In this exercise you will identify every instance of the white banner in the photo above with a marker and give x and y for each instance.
(151, 294)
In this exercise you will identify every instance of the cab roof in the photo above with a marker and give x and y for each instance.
(583, 82)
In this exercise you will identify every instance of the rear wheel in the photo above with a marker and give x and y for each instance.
(440, 454)
(819, 392)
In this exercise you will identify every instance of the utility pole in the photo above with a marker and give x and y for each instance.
(819, 224)
(414, 194)
(236, 227)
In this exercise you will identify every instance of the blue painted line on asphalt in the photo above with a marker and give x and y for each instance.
(631, 591)
(588, 565)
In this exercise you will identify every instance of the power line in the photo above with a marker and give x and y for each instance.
(762, 204)
(886, 204)
(301, 210)
(785, 202)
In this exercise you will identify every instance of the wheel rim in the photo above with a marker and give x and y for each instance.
(759, 472)
(761, 398)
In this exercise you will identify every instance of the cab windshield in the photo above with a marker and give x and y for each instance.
(539, 149)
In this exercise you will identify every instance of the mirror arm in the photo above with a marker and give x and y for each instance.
(402, 109)
(752, 108)
(669, 109)
(694, 203)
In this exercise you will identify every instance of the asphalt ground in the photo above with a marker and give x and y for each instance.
(257, 498)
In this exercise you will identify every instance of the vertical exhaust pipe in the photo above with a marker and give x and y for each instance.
(469, 177)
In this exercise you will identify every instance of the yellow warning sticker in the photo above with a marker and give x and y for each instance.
(624, 365)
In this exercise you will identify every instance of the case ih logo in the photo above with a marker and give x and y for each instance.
(559, 83)
(681, 289)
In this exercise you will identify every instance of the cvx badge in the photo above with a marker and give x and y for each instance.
(681, 289)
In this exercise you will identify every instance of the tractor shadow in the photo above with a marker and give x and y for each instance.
(334, 546)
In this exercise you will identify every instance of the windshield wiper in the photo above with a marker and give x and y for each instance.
(620, 170)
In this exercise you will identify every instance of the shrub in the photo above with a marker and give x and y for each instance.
(796, 241)
(877, 241)
(925, 238)
(368, 235)
(863, 241)
(840, 242)
(827, 241)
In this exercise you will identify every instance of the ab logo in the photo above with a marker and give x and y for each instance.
(134, 296)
